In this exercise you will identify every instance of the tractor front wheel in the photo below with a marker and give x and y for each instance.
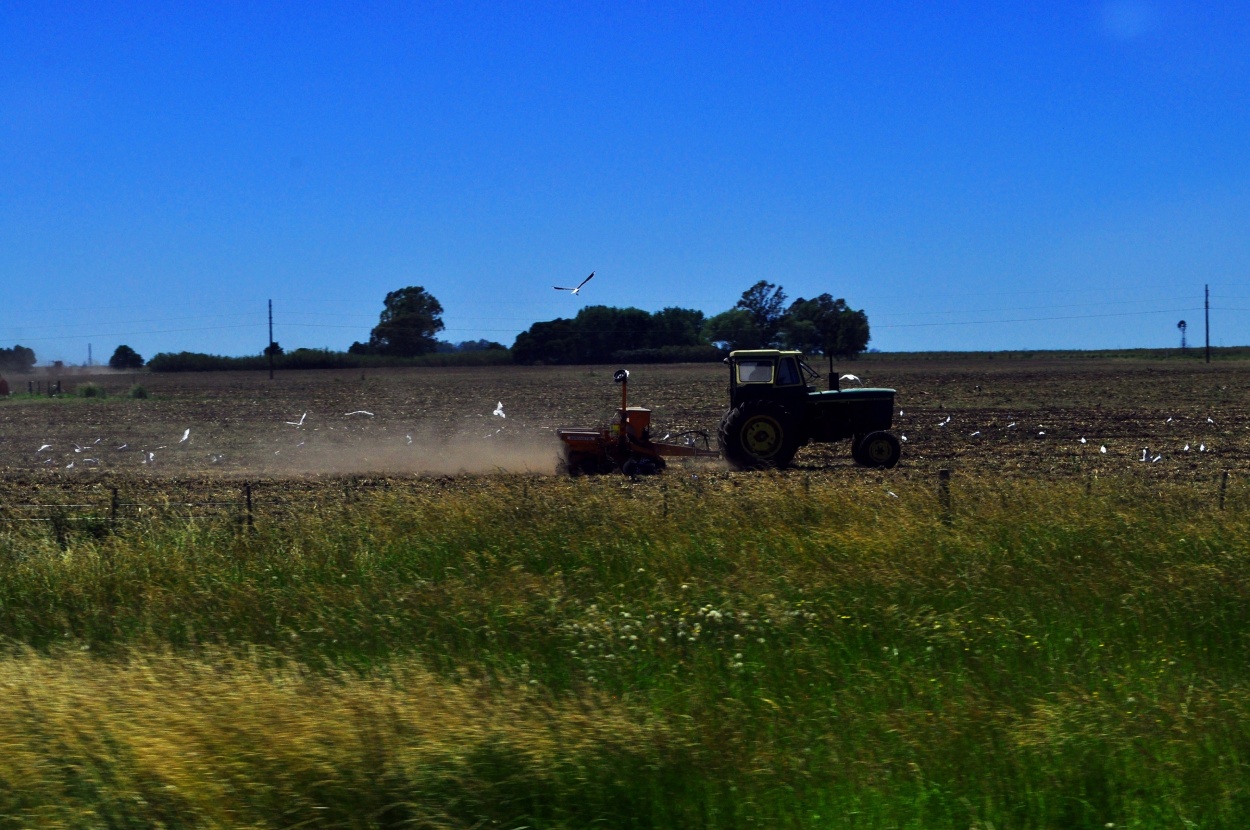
(758, 434)
(879, 449)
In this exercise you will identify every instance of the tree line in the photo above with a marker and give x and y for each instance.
(411, 319)
(759, 320)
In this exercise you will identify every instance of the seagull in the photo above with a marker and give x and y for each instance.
(1082, 440)
(300, 422)
(44, 447)
(499, 410)
(1202, 448)
(854, 378)
(1209, 421)
(975, 434)
(122, 447)
(1103, 449)
(360, 412)
(1156, 459)
(1186, 448)
(1145, 453)
(409, 437)
(1011, 425)
(579, 285)
(904, 437)
(185, 436)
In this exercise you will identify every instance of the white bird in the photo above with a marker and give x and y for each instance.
(891, 494)
(579, 285)
(1040, 434)
(300, 422)
(409, 437)
(1209, 421)
(900, 413)
(122, 447)
(1083, 441)
(1202, 448)
(44, 447)
(1145, 453)
(904, 437)
(1168, 421)
(78, 448)
(975, 434)
(1011, 425)
(851, 377)
(185, 436)
(1103, 449)
(360, 412)
(1156, 459)
(499, 410)
(1186, 448)
(69, 466)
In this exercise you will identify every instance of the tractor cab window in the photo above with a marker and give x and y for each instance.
(755, 371)
(787, 372)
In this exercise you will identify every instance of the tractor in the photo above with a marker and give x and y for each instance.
(775, 408)
(626, 445)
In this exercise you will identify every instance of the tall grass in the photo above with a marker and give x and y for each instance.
(723, 651)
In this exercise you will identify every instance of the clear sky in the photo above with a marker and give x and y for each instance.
(973, 175)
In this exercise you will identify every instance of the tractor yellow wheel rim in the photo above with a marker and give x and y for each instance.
(762, 436)
(879, 451)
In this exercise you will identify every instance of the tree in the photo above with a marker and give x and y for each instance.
(410, 319)
(735, 328)
(125, 357)
(273, 350)
(826, 326)
(765, 303)
(17, 359)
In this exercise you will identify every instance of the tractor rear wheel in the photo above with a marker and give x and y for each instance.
(880, 449)
(758, 434)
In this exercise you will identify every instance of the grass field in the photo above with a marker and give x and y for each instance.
(1061, 643)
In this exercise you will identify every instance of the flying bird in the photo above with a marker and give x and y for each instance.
(300, 422)
(579, 285)
(185, 436)
(44, 447)
(499, 410)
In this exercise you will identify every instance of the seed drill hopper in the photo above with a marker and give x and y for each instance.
(625, 445)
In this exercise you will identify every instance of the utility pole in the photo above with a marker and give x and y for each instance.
(1206, 311)
(89, 363)
(270, 347)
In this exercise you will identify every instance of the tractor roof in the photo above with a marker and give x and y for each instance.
(747, 354)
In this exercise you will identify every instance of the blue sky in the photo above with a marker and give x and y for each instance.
(973, 175)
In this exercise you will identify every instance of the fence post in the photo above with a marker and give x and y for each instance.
(1223, 488)
(944, 495)
(247, 498)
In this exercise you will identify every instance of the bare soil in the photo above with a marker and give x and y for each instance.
(1167, 420)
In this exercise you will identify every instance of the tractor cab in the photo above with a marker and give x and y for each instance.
(770, 373)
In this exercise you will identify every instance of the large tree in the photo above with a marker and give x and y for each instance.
(410, 319)
(765, 303)
(17, 359)
(125, 357)
(826, 326)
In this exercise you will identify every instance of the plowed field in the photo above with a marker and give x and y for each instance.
(985, 417)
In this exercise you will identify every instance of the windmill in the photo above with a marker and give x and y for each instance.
(1182, 325)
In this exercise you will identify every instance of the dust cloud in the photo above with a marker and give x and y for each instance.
(415, 451)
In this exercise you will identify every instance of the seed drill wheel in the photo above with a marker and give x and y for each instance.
(879, 449)
(758, 434)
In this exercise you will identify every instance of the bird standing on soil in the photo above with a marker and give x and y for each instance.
(579, 285)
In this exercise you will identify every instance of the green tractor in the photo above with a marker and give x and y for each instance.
(775, 408)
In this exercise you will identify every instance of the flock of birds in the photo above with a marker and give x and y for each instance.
(1146, 455)
(45, 450)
